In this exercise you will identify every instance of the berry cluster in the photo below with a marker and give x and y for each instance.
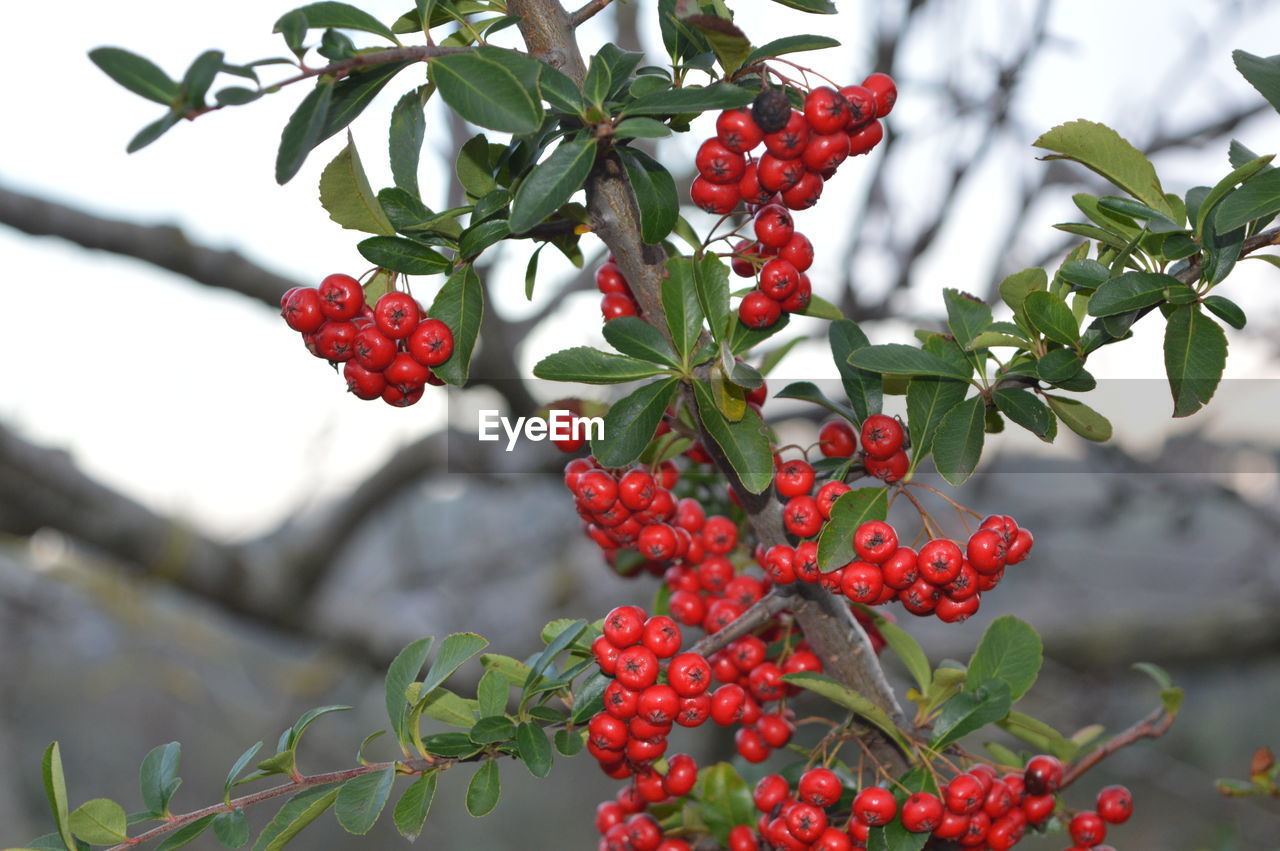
(618, 300)
(387, 351)
(803, 149)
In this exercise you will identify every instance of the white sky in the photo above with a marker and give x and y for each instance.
(202, 403)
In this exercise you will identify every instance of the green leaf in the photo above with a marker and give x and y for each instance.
(724, 798)
(55, 788)
(632, 420)
(492, 692)
(656, 195)
(1010, 650)
(560, 91)
(348, 198)
(451, 745)
(1263, 73)
(404, 670)
(411, 810)
(850, 510)
(478, 237)
(820, 308)
(744, 443)
(443, 705)
(928, 401)
(344, 17)
(404, 140)
(361, 799)
(1059, 366)
(1084, 273)
(1156, 221)
(640, 128)
(816, 7)
(863, 387)
(534, 748)
(99, 822)
(966, 316)
(1130, 291)
(484, 91)
(474, 167)
(569, 742)
(158, 777)
(1039, 735)
(1015, 289)
(136, 73)
(403, 255)
(238, 767)
(305, 720)
(1256, 199)
(484, 789)
(552, 182)
(790, 44)
(1026, 410)
(969, 712)
(460, 305)
(303, 131)
(1224, 186)
(1195, 354)
(1226, 310)
(1051, 316)
(1080, 418)
(1103, 150)
(232, 829)
(901, 359)
(355, 92)
(711, 284)
(690, 99)
(742, 338)
(189, 833)
(454, 651)
(153, 131)
(636, 338)
(292, 26)
(907, 649)
(294, 817)
(586, 365)
(957, 445)
(596, 85)
(495, 728)
(199, 77)
(840, 695)
(587, 699)
(680, 303)
(807, 391)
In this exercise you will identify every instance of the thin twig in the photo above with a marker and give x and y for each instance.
(1153, 726)
(588, 12)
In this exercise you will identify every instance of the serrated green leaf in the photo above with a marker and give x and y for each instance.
(484, 91)
(969, 712)
(551, 183)
(1263, 73)
(656, 195)
(848, 512)
(840, 695)
(680, 304)
(1104, 151)
(1080, 418)
(928, 401)
(411, 810)
(404, 139)
(1026, 410)
(491, 692)
(631, 422)
(495, 728)
(636, 338)
(690, 99)
(443, 705)
(348, 198)
(586, 365)
(460, 305)
(966, 316)
(1015, 289)
(136, 73)
(1195, 354)
(744, 443)
(957, 444)
(1085, 273)
(484, 789)
(99, 822)
(158, 777)
(1010, 650)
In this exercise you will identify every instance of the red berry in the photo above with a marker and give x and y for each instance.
(773, 226)
(738, 131)
(837, 440)
(1019, 547)
(757, 310)
(779, 564)
(658, 705)
(727, 704)
(1087, 829)
(718, 164)
(875, 805)
(788, 143)
(827, 496)
(1043, 775)
(778, 175)
(964, 794)
(806, 822)
(1115, 804)
(719, 535)
(884, 90)
(775, 730)
(657, 541)
(820, 787)
(662, 636)
(921, 813)
(752, 190)
(301, 310)
(373, 350)
(798, 251)
(431, 343)
(406, 374)
(862, 141)
(875, 541)
(335, 341)
(682, 773)
(900, 570)
(826, 151)
(939, 561)
(804, 193)
(689, 674)
(614, 305)
(1038, 807)
(609, 279)
(862, 106)
(890, 469)
(694, 711)
(770, 791)
(794, 478)
(801, 516)
(778, 279)
(986, 551)
(862, 582)
(624, 625)
(799, 298)
(826, 110)
(882, 436)
(920, 598)
(341, 297)
(950, 610)
(396, 315)
(606, 653)
(363, 383)
(717, 198)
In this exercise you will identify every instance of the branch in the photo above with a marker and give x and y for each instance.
(761, 612)
(1153, 726)
(588, 12)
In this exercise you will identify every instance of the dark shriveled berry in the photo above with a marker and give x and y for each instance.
(771, 110)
